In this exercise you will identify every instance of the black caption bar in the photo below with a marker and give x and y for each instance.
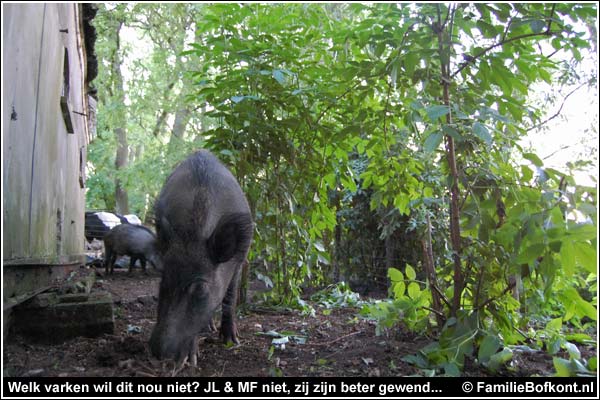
(300, 387)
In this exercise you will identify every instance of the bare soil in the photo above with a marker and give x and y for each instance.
(338, 343)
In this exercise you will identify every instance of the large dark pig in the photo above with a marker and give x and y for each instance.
(204, 229)
(135, 241)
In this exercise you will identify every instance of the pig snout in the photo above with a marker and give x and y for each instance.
(176, 347)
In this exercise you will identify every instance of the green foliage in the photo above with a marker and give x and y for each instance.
(339, 121)
(336, 296)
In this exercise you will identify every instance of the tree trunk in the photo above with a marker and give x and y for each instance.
(182, 117)
(444, 50)
(390, 259)
(121, 197)
(337, 240)
(429, 265)
(120, 127)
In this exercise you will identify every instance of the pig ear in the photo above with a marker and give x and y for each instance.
(231, 238)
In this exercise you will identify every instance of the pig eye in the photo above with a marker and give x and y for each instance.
(192, 288)
(197, 288)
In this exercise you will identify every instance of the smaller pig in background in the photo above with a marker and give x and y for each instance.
(135, 241)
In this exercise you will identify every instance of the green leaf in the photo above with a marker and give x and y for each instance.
(395, 275)
(416, 359)
(414, 291)
(401, 202)
(578, 337)
(451, 369)
(433, 141)
(279, 76)
(587, 309)
(488, 347)
(545, 75)
(573, 351)
(578, 305)
(394, 74)
(416, 105)
(452, 132)
(534, 159)
(537, 25)
(349, 184)
(586, 255)
(593, 364)
(562, 366)
(499, 359)
(411, 61)
(567, 257)
(554, 325)
(399, 289)
(435, 112)
(482, 133)
(410, 272)
(531, 253)
(553, 346)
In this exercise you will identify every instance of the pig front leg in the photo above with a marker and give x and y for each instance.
(228, 326)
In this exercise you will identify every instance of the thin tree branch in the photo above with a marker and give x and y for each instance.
(564, 147)
(557, 113)
(550, 18)
(488, 301)
(471, 59)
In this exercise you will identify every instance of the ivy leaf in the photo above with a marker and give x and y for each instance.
(433, 141)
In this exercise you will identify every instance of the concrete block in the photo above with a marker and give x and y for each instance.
(88, 316)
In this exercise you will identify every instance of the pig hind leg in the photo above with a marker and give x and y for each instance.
(109, 261)
(132, 260)
(143, 262)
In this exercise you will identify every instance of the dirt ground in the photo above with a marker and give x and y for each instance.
(337, 344)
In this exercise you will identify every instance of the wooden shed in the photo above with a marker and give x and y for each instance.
(47, 116)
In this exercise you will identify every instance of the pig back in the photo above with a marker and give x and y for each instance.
(195, 197)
